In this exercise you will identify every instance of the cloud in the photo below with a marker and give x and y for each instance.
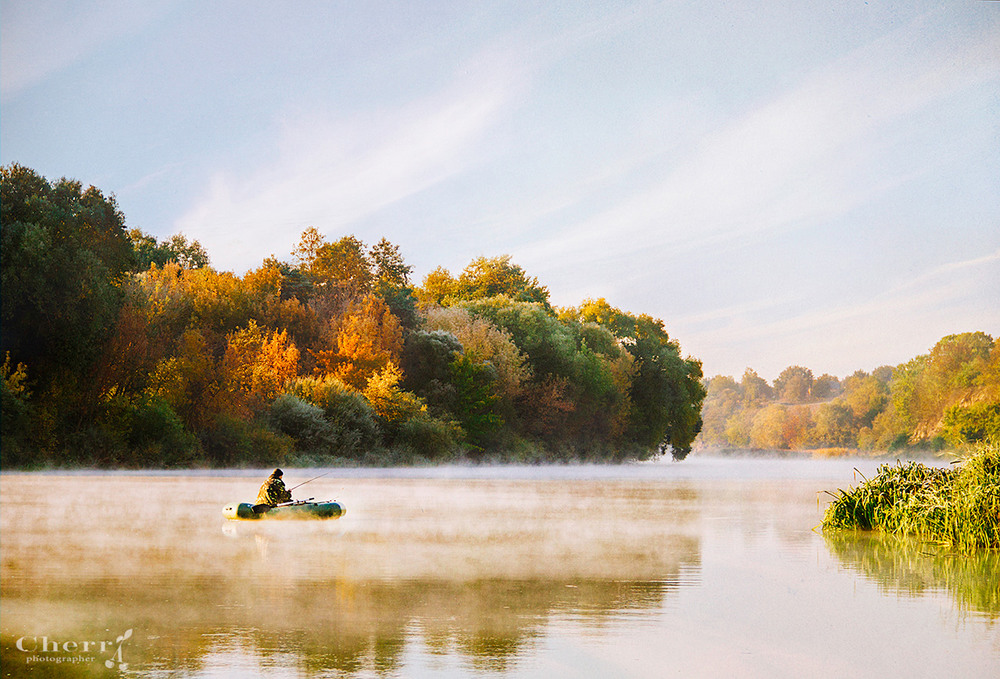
(331, 172)
(891, 326)
(42, 37)
(808, 155)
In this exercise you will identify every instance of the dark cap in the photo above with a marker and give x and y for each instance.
(276, 472)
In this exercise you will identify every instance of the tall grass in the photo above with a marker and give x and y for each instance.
(959, 507)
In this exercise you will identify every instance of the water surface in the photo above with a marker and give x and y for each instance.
(707, 567)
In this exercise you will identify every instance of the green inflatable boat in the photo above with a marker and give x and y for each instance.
(300, 509)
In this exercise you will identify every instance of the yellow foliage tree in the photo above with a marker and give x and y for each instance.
(256, 366)
(188, 380)
(389, 401)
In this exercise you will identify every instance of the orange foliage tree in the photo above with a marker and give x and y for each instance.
(368, 340)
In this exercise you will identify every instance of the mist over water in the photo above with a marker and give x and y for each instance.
(708, 567)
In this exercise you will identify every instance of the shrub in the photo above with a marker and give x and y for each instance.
(958, 507)
(157, 436)
(305, 423)
(232, 441)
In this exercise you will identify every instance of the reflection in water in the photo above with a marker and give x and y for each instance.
(912, 568)
(470, 569)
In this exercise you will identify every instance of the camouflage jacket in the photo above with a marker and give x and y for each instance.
(273, 492)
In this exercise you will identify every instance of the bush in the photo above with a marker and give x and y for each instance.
(972, 424)
(231, 441)
(958, 507)
(157, 436)
(354, 426)
(305, 423)
(428, 437)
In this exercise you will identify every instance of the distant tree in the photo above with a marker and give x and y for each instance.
(866, 397)
(767, 430)
(483, 342)
(722, 400)
(389, 269)
(369, 339)
(825, 387)
(308, 248)
(794, 384)
(256, 367)
(175, 249)
(439, 287)
(427, 367)
(344, 263)
(666, 392)
(755, 389)
(476, 402)
(391, 282)
(834, 425)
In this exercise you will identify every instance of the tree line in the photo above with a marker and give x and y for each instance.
(947, 398)
(122, 350)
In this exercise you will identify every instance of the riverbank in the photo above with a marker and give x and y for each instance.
(959, 507)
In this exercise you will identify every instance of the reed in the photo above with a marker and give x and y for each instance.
(958, 507)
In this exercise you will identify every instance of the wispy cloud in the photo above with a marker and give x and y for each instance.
(332, 171)
(914, 314)
(806, 155)
(41, 37)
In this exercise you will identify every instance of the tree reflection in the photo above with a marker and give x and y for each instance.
(464, 583)
(350, 627)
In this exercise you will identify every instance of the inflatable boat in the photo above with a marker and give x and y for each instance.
(300, 509)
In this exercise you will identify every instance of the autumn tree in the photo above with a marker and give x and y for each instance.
(256, 366)
(794, 384)
(343, 263)
(484, 342)
(755, 389)
(368, 340)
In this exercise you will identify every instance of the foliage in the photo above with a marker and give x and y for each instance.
(124, 349)
(958, 507)
(948, 397)
(369, 339)
(175, 249)
(484, 278)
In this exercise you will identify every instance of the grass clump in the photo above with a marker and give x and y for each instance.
(959, 507)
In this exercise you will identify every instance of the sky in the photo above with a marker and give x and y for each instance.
(783, 183)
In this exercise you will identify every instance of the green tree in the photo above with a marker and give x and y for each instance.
(666, 393)
(175, 249)
(66, 255)
(476, 401)
(826, 386)
(834, 425)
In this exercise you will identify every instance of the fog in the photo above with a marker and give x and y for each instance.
(512, 571)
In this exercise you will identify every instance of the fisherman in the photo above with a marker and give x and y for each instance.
(272, 491)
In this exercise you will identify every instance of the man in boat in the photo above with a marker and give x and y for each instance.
(272, 491)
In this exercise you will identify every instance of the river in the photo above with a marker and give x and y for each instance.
(709, 567)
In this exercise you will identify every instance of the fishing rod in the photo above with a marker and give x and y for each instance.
(312, 479)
